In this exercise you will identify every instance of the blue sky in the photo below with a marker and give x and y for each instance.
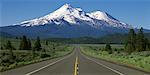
(134, 12)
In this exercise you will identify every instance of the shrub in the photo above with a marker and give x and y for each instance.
(44, 55)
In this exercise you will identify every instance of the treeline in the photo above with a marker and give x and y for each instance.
(20, 51)
(116, 38)
(23, 51)
(136, 41)
(9, 57)
(25, 44)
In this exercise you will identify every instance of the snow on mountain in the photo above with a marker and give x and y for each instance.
(68, 22)
(66, 12)
(108, 18)
(99, 15)
(73, 15)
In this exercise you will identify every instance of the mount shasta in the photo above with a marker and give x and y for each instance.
(68, 22)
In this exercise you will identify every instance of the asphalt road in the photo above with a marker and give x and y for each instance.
(66, 66)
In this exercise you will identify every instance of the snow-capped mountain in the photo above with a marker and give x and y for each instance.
(73, 16)
(67, 22)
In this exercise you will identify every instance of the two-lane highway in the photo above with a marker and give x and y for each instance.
(74, 64)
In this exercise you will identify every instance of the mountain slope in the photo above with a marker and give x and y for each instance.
(68, 22)
(75, 16)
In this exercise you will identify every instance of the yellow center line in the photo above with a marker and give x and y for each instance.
(76, 67)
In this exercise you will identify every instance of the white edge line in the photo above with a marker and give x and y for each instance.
(104, 66)
(46, 66)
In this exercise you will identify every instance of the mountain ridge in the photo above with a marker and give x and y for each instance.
(73, 16)
(68, 22)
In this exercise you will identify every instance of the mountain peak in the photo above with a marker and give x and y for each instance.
(100, 15)
(67, 13)
(66, 6)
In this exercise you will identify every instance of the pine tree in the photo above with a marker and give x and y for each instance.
(131, 40)
(37, 45)
(2, 48)
(33, 53)
(53, 48)
(8, 45)
(108, 48)
(147, 43)
(46, 42)
(16, 37)
(29, 44)
(24, 43)
(10, 48)
(140, 44)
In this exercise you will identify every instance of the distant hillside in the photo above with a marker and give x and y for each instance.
(74, 40)
(112, 38)
(6, 35)
(117, 38)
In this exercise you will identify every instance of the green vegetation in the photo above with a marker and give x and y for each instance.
(137, 42)
(111, 38)
(37, 45)
(130, 44)
(116, 38)
(136, 52)
(140, 60)
(25, 44)
(108, 48)
(23, 51)
(9, 46)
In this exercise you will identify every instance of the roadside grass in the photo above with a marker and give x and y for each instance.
(25, 57)
(15, 42)
(138, 60)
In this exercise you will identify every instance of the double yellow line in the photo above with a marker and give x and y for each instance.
(76, 67)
